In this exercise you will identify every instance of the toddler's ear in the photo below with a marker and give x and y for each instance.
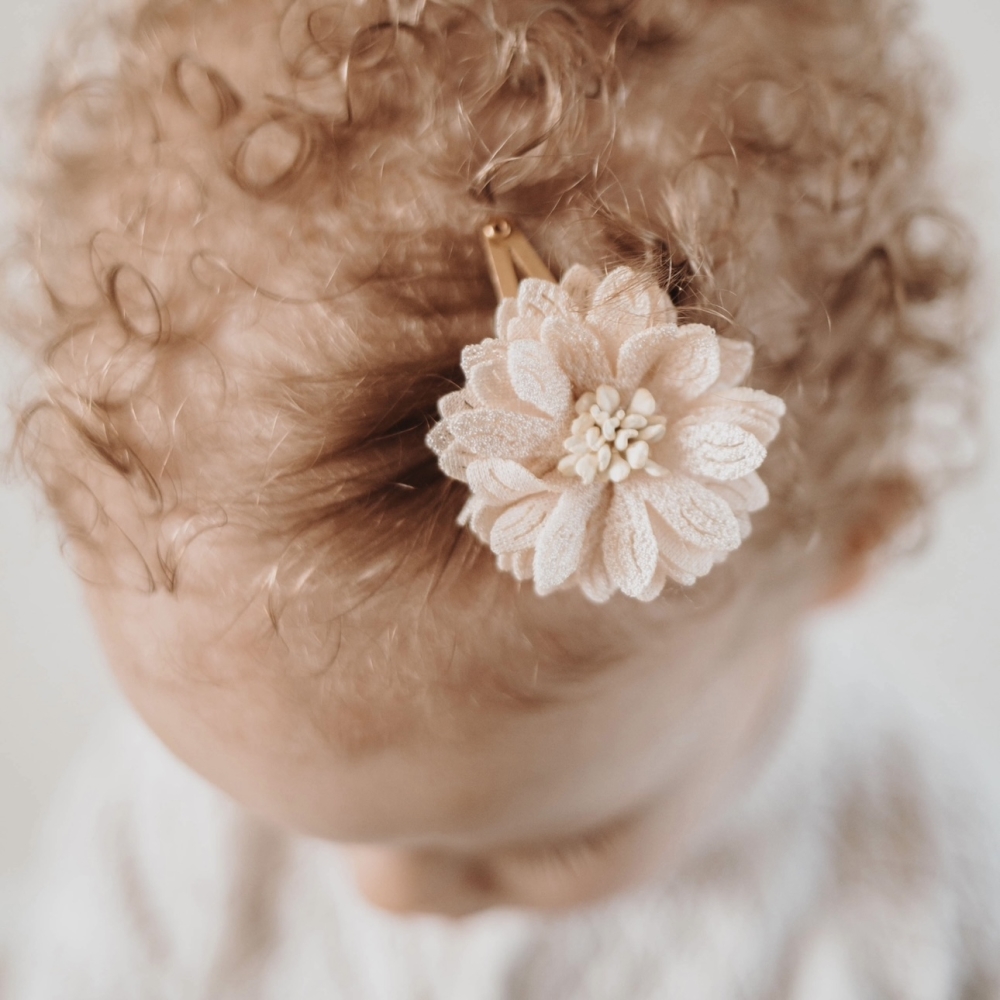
(893, 503)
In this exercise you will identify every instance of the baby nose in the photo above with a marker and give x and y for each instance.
(419, 881)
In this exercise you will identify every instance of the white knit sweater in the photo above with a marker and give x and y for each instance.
(857, 866)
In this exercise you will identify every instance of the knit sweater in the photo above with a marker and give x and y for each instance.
(860, 863)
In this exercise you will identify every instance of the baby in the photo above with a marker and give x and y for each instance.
(490, 612)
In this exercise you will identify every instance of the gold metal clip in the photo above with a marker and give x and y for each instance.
(508, 253)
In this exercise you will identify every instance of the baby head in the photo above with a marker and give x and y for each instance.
(256, 228)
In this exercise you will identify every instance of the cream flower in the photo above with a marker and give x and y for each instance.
(604, 445)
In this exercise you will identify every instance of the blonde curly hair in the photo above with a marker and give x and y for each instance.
(255, 226)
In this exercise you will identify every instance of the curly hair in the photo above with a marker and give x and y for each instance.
(255, 228)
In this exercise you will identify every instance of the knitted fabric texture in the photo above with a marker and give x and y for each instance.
(604, 445)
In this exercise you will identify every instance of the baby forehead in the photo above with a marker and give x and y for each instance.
(387, 758)
(479, 655)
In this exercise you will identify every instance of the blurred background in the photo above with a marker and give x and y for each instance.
(931, 625)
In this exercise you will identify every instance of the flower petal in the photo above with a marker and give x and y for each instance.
(537, 297)
(452, 403)
(658, 582)
(594, 580)
(630, 549)
(508, 310)
(453, 461)
(622, 307)
(500, 434)
(683, 562)
(480, 517)
(718, 450)
(664, 311)
(743, 495)
(524, 563)
(486, 350)
(518, 526)
(580, 283)
(517, 563)
(452, 457)
(693, 511)
(537, 378)
(439, 439)
(500, 481)
(577, 352)
(742, 405)
(642, 352)
(689, 366)
(754, 410)
(524, 328)
(468, 509)
(735, 362)
(488, 385)
(593, 575)
(560, 543)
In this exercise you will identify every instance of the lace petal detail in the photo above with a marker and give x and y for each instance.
(476, 354)
(518, 564)
(664, 310)
(500, 481)
(521, 328)
(518, 527)
(580, 283)
(454, 460)
(630, 549)
(577, 351)
(481, 519)
(695, 513)
(758, 412)
(593, 577)
(488, 385)
(744, 495)
(537, 378)
(537, 299)
(560, 542)
(507, 311)
(499, 433)
(594, 580)
(642, 352)
(735, 362)
(690, 366)
(657, 583)
(683, 562)
(622, 307)
(452, 403)
(719, 451)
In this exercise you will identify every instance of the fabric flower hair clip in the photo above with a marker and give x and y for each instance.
(604, 445)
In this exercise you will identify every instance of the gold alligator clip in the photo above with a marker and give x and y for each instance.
(511, 257)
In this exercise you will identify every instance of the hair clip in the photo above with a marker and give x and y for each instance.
(604, 445)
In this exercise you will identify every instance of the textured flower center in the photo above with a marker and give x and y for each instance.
(609, 442)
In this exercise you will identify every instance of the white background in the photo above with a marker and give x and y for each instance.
(933, 624)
